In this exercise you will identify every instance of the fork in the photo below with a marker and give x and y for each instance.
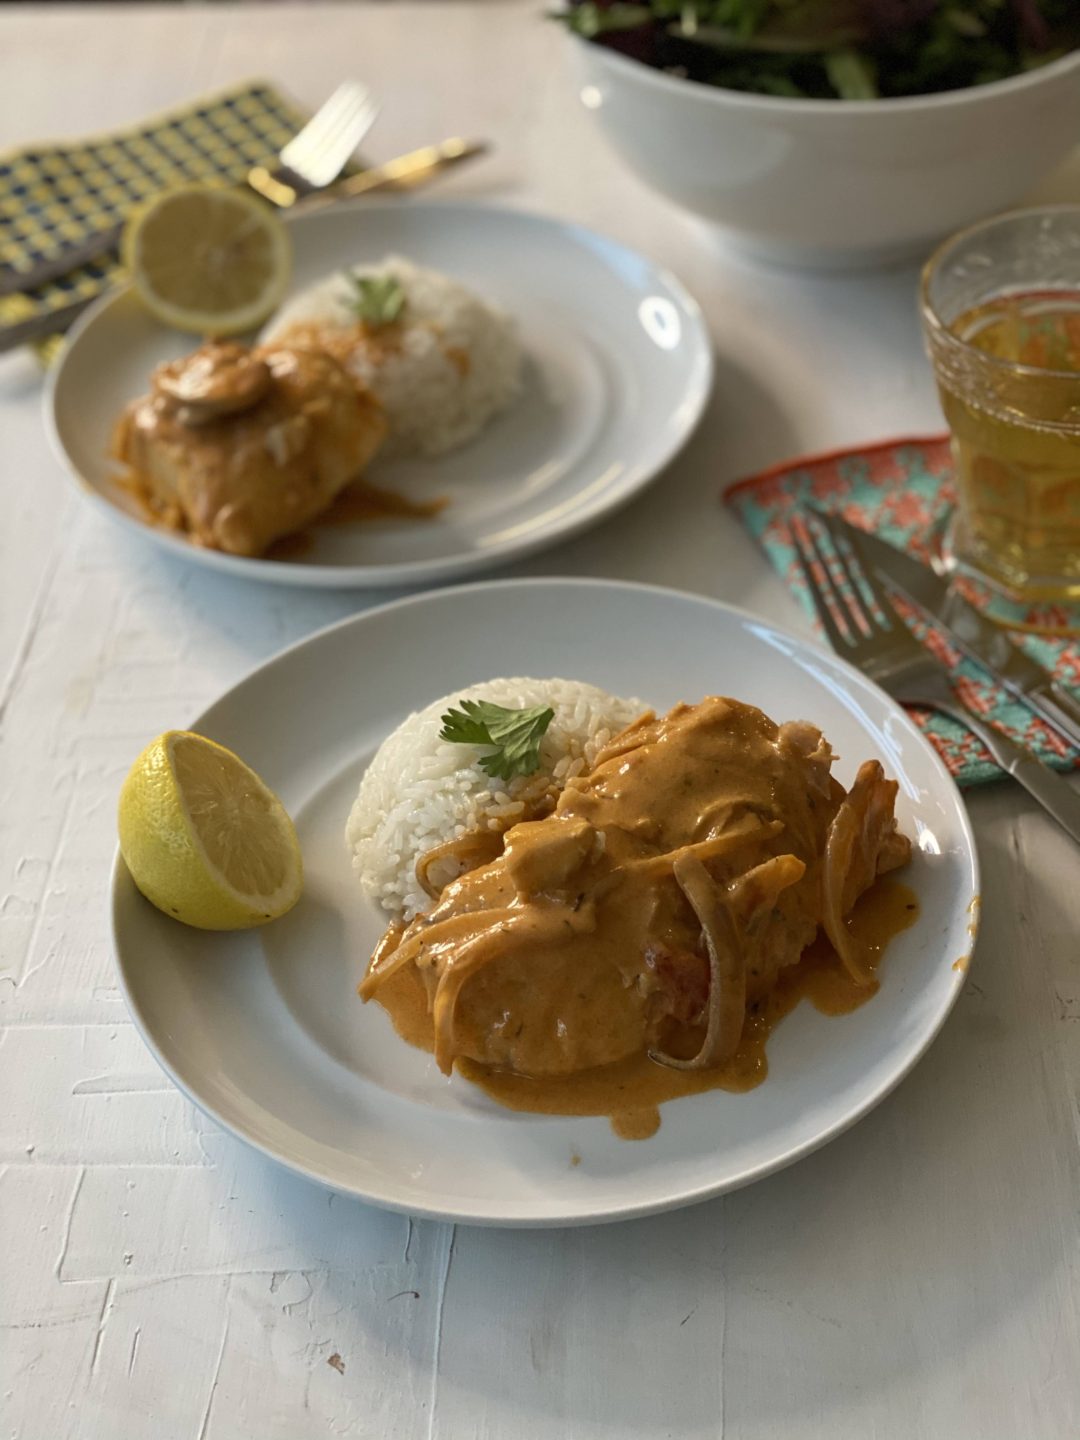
(876, 640)
(317, 154)
(312, 159)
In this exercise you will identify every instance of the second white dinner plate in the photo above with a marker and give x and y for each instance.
(618, 368)
(265, 1032)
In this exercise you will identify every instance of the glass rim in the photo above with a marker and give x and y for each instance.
(938, 327)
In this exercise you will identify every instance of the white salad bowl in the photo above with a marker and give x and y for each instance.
(833, 183)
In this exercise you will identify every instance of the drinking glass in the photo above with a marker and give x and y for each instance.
(1001, 313)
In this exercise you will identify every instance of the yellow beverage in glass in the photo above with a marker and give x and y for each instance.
(1001, 305)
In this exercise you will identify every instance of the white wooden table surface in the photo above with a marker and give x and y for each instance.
(917, 1278)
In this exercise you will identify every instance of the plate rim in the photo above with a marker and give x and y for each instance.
(423, 572)
(633, 1210)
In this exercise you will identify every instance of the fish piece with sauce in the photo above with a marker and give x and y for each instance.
(240, 447)
(659, 904)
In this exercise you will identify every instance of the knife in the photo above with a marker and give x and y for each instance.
(414, 169)
(978, 636)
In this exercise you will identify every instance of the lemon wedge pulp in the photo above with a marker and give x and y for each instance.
(204, 838)
(206, 260)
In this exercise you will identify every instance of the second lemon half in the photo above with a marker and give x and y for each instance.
(208, 261)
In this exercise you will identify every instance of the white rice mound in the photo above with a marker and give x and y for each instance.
(420, 791)
(449, 365)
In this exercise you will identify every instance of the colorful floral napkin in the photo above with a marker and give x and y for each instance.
(903, 491)
(56, 194)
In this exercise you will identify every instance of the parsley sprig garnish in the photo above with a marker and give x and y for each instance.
(515, 735)
(379, 299)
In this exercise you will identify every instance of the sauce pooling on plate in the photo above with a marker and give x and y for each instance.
(359, 503)
(640, 942)
(631, 1091)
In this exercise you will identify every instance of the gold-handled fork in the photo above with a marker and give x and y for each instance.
(864, 627)
(312, 159)
(316, 156)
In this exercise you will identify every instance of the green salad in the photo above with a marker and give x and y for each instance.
(833, 49)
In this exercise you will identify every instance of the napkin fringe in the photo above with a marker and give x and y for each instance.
(829, 457)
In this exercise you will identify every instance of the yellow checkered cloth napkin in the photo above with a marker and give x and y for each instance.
(55, 195)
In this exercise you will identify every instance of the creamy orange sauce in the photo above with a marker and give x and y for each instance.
(359, 503)
(151, 511)
(347, 343)
(637, 1124)
(362, 501)
(973, 911)
(459, 358)
(405, 1000)
(962, 962)
(631, 1090)
(641, 941)
(291, 547)
(363, 342)
(667, 893)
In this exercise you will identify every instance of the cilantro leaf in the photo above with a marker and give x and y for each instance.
(379, 299)
(514, 734)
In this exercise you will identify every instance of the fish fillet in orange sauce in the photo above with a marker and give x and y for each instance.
(641, 942)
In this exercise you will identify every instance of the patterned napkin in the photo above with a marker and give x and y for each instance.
(903, 491)
(52, 195)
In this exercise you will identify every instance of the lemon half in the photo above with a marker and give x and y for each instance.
(208, 261)
(204, 838)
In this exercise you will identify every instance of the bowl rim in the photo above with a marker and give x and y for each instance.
(796, 105)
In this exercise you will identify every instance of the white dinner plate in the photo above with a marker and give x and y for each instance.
(618, 368)
(265, 1032)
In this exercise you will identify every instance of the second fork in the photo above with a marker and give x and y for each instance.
(864, 627)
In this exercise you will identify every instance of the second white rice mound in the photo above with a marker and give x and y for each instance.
(420, 791)
(441, 372)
